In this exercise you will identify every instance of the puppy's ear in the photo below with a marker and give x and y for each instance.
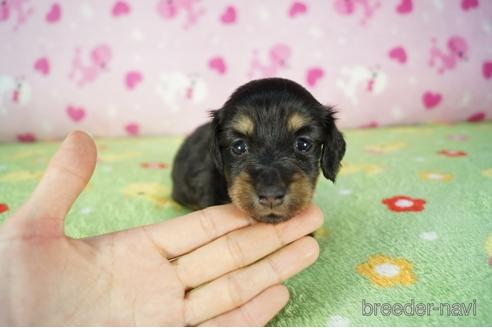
(333, 147)
(214, 139)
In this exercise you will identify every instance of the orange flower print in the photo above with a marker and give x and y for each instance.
(385, 271)
(452, 153)
(488, 248)
(487, 172)
(154, 165)
(436, 176)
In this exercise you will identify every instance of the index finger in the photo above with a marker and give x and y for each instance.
(243, 247)
(184, 234)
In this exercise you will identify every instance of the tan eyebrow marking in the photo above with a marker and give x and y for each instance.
(243, 124)
(296, 121)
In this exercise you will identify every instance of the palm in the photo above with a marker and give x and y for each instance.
(128, 278)
(112, 279)
(136, 277)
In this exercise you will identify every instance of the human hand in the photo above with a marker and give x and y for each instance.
(199, 269)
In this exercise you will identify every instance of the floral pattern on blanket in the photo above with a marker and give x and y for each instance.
(401, 223)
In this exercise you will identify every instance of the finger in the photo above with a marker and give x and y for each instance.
(184, 234)
(237, 288)
(257, 312)
(242, 247)
(66, 176)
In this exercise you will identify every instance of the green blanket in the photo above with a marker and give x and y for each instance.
(408, 223)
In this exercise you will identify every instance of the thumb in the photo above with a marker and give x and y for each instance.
(66, 176)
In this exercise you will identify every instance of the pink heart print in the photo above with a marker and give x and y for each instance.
(217, 64)
(76, 114)
(369, 125)
(132, 79)
(405, 7)
(26, 137)
(229, 15)
(477, 117)
(132, 129)
(399, 54)
(297, 8)
(313, 75)
(487, 69)
(431, 99)
(42, 65)
(54, 14)
(469, 4)
(120, 8)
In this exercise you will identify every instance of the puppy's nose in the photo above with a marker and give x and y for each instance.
(271, 196)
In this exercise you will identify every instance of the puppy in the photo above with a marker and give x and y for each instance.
(262, 150)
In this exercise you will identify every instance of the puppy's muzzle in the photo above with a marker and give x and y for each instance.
(271, 196)
(269, 187)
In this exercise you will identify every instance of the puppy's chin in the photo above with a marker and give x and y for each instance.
(268, 215)
(272, 218)
(275, 215)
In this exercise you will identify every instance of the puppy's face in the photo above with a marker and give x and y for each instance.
(269, 140)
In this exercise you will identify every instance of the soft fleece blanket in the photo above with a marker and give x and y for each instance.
(407, 238)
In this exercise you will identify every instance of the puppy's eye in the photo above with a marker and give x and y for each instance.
(239, 147)
(303, 145)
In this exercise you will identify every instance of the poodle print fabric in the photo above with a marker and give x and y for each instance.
(123, 67)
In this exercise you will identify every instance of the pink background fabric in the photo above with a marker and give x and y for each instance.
(125, 67)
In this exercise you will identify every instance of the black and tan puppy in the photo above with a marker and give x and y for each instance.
(262, 151)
